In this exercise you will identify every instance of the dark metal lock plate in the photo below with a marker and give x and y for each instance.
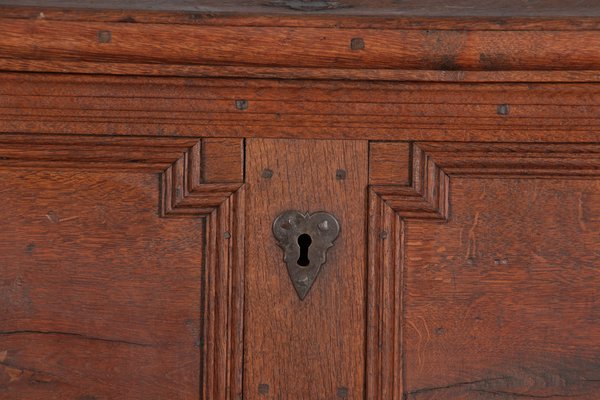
(305, 239)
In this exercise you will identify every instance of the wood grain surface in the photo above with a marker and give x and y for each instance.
(99, 298)
(299, 47)
(146, 148)
(398, 41)
(498, 297)
(176, 177)
(385, 291)
(311, 349)
(502, 302)
(192, 107)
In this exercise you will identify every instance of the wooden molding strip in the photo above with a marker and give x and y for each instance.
(426, 196)
(420, 174)
(196, 176)
(295, 47)
(266, 72)
(283, 47)
(512, 160)
(191, 107)
(184, 192)
(385, 269)
(224, 301)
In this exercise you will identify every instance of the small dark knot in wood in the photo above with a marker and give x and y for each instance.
(340, 174)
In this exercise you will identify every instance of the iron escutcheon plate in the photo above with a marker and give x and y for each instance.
(305, 239)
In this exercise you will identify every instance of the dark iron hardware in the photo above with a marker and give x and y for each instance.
(305, 239)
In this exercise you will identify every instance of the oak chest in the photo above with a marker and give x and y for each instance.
(304, 200)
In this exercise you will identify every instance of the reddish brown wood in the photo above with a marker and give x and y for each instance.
(425, 196)
(222, 160)
(188, 186)
(312, 348)
(302, 109)
(457, 144)
(143, 44)
(224, 301)
(479, 305)
(90, 304)
(107, 263)
(388, 163)
(300, 47)
(196, 176)
(352, 74)
(236, 39)
(510, 317)
(385, 290)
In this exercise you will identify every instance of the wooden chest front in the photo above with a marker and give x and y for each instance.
(299, 200)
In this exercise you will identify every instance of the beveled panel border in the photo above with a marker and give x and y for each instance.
(431, 166)
(199, 177)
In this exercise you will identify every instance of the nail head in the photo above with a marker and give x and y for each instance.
(104, 36)
(241, 104)
(323, 226)
(267, 174)
(357, 44)
(503, 109)
(263, 388)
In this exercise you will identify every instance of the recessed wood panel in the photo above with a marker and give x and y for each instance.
(100, 298)
(503, 300)
(310, 349)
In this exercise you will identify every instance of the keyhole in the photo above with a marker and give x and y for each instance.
(304, 241)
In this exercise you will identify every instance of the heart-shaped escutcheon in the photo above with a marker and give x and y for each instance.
(305, 239)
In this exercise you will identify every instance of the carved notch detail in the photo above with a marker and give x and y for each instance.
(196, 175)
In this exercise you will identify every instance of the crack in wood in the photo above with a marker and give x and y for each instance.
(454, 385)
(76, 335)
(524, 395)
